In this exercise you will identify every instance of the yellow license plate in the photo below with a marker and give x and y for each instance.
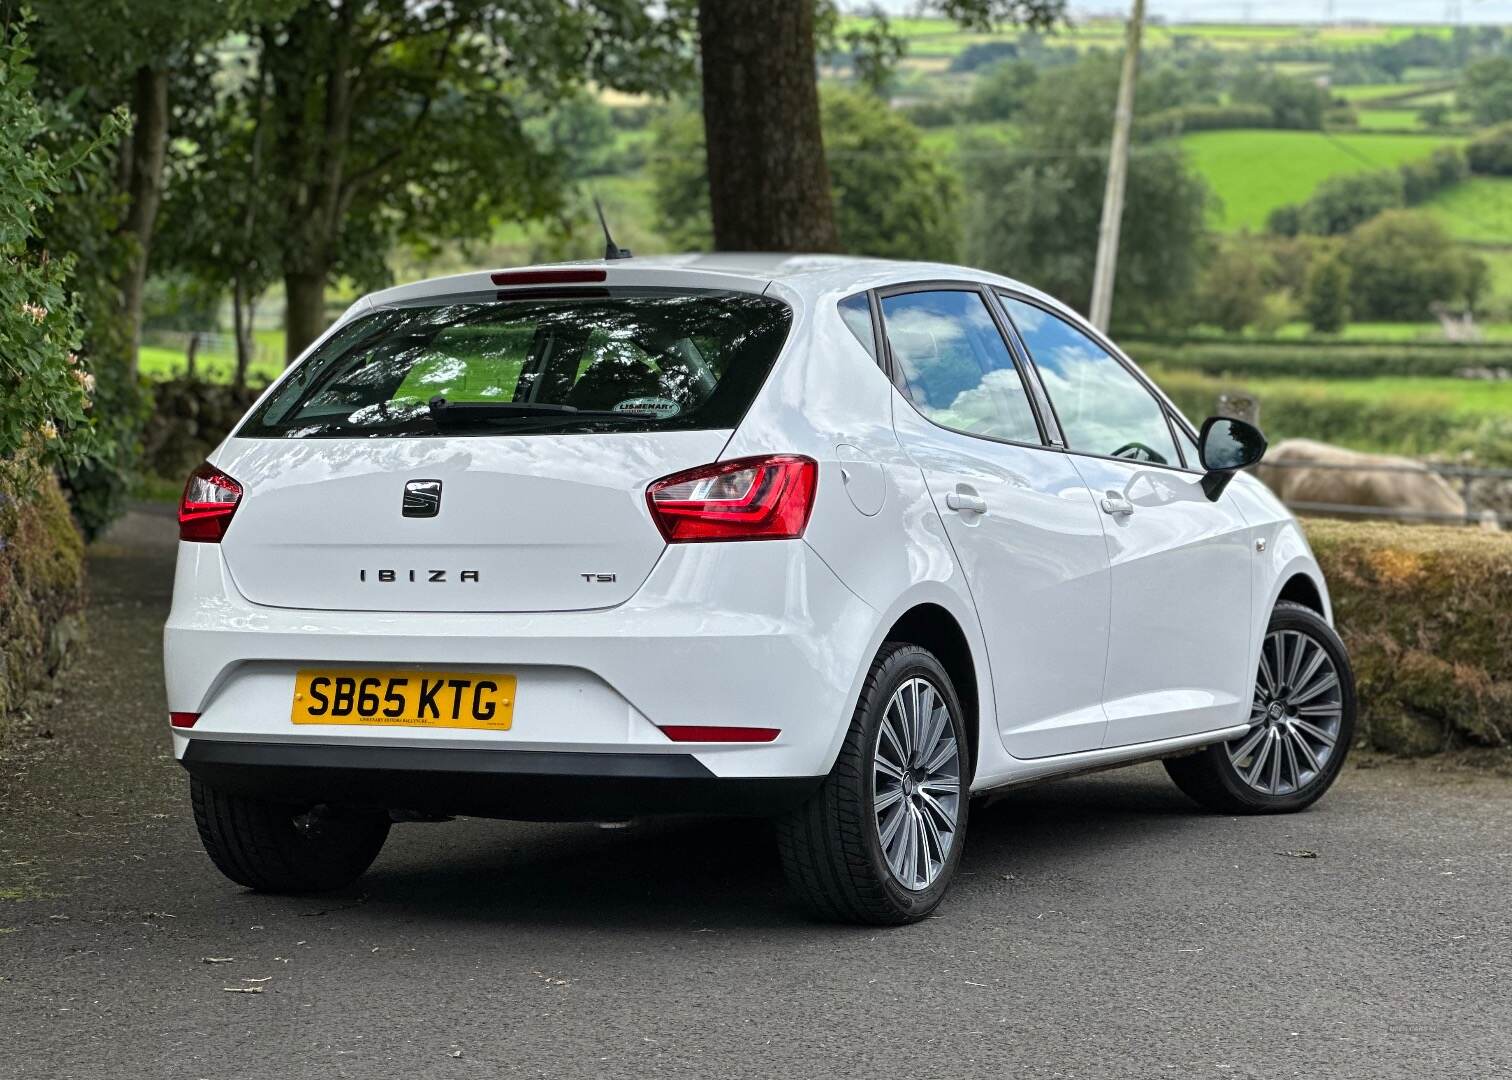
(445, 699)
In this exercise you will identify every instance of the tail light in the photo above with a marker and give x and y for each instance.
(210, 498)
(183, 719)
(755, 498)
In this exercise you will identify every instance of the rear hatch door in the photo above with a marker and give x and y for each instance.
(490, 452)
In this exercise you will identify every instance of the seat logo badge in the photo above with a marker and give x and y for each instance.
(422, 498)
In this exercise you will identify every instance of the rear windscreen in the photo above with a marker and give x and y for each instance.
(610, 360)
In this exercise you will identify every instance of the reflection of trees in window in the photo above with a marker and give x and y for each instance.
(593, 353)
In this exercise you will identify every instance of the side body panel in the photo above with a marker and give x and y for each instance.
(1038, 573)
(1178, 655)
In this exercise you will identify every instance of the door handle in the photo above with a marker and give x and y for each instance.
(1115, 504)
(964, 503)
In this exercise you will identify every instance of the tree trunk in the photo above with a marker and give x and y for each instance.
(304, 311)
(191, 351)
(769, 186)
(241, 323)
(144, 191)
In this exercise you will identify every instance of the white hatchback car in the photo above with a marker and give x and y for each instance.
(840, 541)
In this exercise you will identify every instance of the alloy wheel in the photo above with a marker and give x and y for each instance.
(1295, 718)
(916, 783)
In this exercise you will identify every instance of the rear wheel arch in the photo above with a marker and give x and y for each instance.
(933, 627)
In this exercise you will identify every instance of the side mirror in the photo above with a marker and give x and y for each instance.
(1225, 446)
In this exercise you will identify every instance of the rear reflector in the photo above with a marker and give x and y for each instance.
(755, 498)
(210, 498)
(183, 719)
(547, 277)
(706, 733)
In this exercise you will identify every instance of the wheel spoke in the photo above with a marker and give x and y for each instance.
(1316, 732)
(1327, 709)
(899, 712)
(943, 756)
(1314, 662)
(1299, 653)
(936, 720)
(1259, 762)
(887, 768)
(934, 845)
(915, 723)
(1326, 682)
(941, 785)
(933, 810)
(1275, 779)
(1307, 751)
(889, 833)
(915, 829)
(885, 799)
(1247, 747)
(1267, 677)
(1292, 767)
(894, 742)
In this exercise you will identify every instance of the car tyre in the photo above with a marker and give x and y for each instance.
(846, 859)
(277, 848)
(1299, 734)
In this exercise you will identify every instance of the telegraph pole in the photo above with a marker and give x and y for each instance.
(1118, 169)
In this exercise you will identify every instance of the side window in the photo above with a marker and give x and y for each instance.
(856, 311)
(956, 368)
(1102, 408)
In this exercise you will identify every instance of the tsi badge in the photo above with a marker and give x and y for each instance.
(422, 498)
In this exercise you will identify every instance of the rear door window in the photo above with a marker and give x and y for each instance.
(627, 360)
(955, 366)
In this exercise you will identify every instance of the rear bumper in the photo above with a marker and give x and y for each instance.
(525, 785)
(752, 635)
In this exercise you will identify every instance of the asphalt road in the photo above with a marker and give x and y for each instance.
(1101, 928)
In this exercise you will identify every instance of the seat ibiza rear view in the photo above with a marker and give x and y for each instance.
(840, 542)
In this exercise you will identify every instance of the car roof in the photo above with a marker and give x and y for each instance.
(811, 276)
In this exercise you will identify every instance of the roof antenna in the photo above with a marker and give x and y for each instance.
(611, 249)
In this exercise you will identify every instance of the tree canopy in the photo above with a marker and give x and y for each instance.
(1034, 208)
(892, 197)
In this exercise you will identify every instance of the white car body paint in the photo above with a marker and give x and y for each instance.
(1092, 640)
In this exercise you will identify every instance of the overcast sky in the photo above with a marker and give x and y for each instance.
(1408, 11)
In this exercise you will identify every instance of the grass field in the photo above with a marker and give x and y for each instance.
(1468, 398)
(941, 37)
(158, 362)
(1389, 120)
(1478, 209)
(1405, 332)
(1256, 171)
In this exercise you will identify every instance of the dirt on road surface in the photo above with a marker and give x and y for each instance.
(1101, 927)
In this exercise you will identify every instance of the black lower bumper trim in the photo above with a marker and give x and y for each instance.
(531, 785)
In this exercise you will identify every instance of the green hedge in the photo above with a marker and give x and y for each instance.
(1184, 118)
(1415, 428)
(41, 582)
(1490, 154)
(1326, 360)
(1427, 614)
